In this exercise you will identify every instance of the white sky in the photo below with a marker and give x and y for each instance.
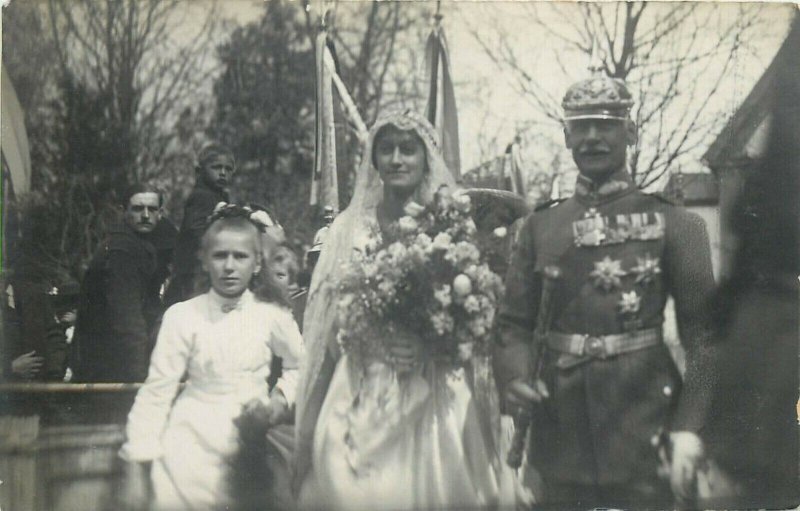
(491, 108)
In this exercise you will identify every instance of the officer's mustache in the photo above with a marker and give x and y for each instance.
(594, 149)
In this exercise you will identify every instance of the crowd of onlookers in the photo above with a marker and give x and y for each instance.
(103, 329)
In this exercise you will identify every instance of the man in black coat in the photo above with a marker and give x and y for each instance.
(607, 389)
(120, 303)
(213, 173)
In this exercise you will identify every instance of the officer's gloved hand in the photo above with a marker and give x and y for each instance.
(688, 456)
(520, 394)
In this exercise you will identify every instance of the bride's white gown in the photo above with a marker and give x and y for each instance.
(413, 443)
(408, 443)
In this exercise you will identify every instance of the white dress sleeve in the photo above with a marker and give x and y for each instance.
(148, 417)
(287, 343)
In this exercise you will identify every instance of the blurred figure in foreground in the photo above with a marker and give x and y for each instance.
(32, 344)
(752, 431)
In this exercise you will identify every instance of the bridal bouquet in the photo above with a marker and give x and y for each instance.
(430, 278)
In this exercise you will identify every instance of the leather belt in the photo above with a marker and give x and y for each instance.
(603, 346)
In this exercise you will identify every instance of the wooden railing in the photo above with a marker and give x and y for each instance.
(67, 387)
(59, 443)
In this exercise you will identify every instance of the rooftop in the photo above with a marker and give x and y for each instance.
(693, 189)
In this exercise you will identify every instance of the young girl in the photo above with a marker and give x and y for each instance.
(225, 340)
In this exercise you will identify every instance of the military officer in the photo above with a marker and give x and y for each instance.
(603, 390)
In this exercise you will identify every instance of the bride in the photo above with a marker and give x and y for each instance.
(404, 434)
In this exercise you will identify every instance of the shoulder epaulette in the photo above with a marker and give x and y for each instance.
(548, 204)
(663, 198)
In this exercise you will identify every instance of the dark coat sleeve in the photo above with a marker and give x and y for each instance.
(691, 283)
(125, 294)
(195, 214)
(41, 331)
(512, 353)
(11, 343)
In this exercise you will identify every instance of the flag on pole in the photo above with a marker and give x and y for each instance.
(324, 184)
(512, 169)
(350, 108)
(15, 166)
(441, 108)
(13, 138)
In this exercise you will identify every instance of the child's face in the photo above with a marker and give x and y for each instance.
(218, 171)
(281, 264)
(231, 260)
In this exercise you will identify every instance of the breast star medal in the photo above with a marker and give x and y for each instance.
(646, 269)
(607, 274)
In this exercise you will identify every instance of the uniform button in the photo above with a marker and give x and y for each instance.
(667, 390)
(654, 440)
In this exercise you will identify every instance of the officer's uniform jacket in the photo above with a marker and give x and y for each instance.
(620, 253)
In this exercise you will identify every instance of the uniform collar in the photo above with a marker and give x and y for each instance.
(589, 192)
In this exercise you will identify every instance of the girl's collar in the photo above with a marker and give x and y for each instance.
(227, 304)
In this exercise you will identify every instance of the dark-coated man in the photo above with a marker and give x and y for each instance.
(120, 301)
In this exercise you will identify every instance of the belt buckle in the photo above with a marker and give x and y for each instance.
(594, 347)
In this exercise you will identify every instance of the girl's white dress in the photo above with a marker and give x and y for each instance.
(226, 347)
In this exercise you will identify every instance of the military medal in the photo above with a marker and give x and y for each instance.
(647, 226)
(629, 306)
(646, 269)
(594, 229)
(607, 274)
(630, 303)
(591, 230)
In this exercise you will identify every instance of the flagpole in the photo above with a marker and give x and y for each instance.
(441, 111)
(324, 184)
(433, 92)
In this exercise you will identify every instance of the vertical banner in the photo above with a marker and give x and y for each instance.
(13, 137)
(324, 185)
(512, 171)
(516, 167)
(16, 164)
(441, 109)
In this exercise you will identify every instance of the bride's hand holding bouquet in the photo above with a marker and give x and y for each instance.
(404, 350)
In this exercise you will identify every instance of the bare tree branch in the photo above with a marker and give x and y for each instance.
(674, 57)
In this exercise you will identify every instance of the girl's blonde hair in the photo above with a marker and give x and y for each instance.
(263, 284)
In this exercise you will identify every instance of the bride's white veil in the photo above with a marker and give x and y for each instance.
(320, 315)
